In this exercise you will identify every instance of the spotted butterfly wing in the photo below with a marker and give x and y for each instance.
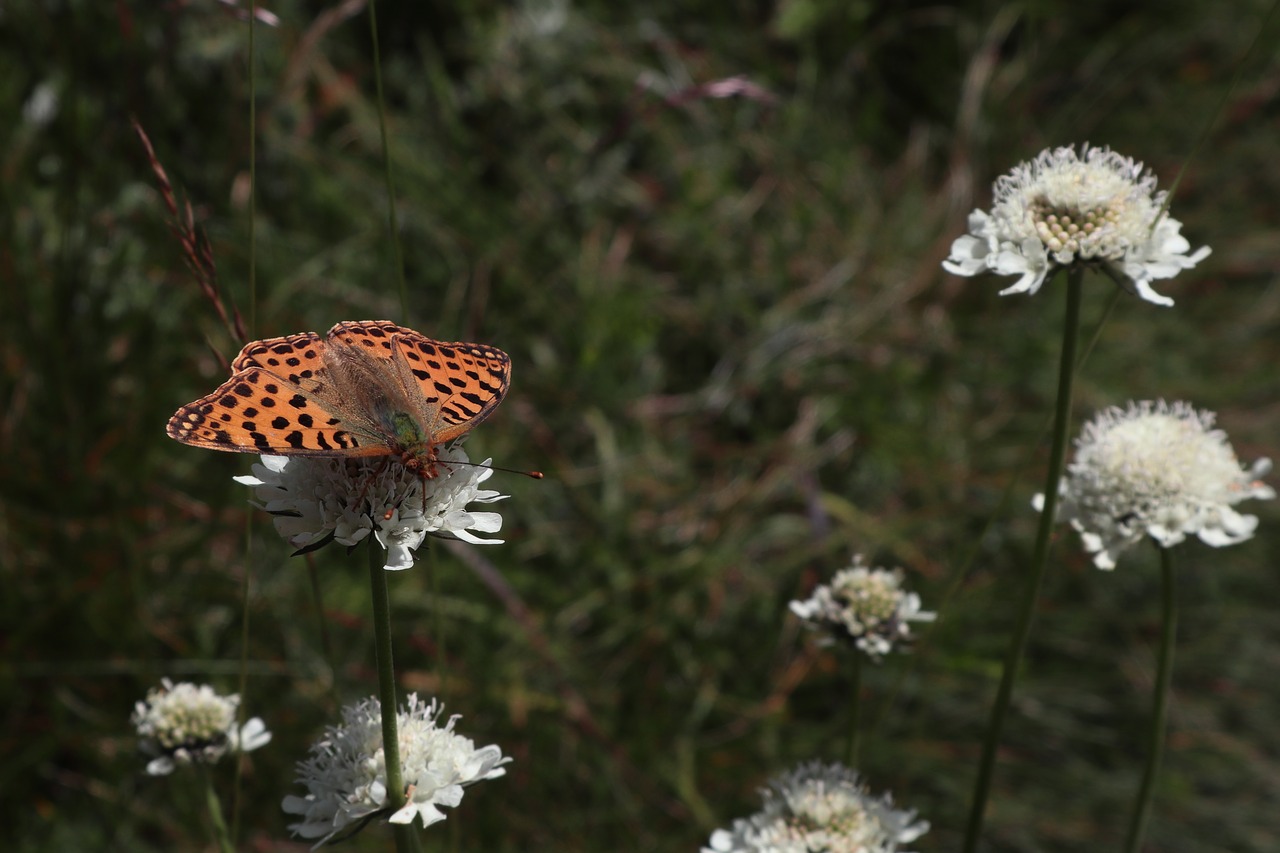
(455, 385)
(277, 401)
(348, 395)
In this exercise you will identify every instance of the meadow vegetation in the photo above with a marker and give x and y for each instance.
(736, 358)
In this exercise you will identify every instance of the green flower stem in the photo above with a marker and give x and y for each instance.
(387, 692)
(855, 689)
(959, 574)
(1040, 558)
(243, 689)
(393, 225)
(253, 171)
(442, 654)
(1160, 702)
(214, 805)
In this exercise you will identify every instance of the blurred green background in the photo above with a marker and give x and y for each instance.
(735, 357)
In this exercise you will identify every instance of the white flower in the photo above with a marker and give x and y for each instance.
(820, 807)
(346, 775)
(319, 500)
(42, 106)
(1064, 208)
(1160, 471)
(186, 723)
(867, 607)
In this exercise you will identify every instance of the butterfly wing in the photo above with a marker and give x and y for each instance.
(292, 356)
(456, 385)
(277, 401)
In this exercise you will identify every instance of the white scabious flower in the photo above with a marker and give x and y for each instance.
(187, 723)
(346, 774)
(820, 807)
(320, 500)
(865, 606)
(1064, 208)
(1156, 470)
(42, 105)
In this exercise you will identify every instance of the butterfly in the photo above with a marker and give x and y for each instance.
(367, 388)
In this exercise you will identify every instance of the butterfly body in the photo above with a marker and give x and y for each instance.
(368, 388)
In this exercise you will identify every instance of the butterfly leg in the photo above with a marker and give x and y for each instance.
(368, 483)
(425, 464)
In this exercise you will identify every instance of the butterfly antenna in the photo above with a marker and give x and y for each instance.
(533, 475)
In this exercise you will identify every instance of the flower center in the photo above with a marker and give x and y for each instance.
(193, 724)
(872, 599)
(1165, 457)
(1084, 233)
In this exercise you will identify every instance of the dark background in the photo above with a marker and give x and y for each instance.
(735, 357)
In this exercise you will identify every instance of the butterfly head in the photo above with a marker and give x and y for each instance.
(421, 461)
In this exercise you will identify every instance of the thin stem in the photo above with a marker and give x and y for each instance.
(959, 575)
(855, 689)
(317, 601)
(322, 629)
(253, 310)
(1040, 558)
(442, 657)
(243, 691)
(387, 689)
(392, 221)
(1160, 702)
(253, 173)
(215, 813)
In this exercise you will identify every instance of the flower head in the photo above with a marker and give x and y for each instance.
(346, 774)
(1064, 208)
(865, 606)
(320, 500)
(820, 807)
(1156, 470)
(187, 723)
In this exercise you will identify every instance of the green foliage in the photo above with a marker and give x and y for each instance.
(736, 358)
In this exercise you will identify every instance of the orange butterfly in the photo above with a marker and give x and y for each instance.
(368, 388)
